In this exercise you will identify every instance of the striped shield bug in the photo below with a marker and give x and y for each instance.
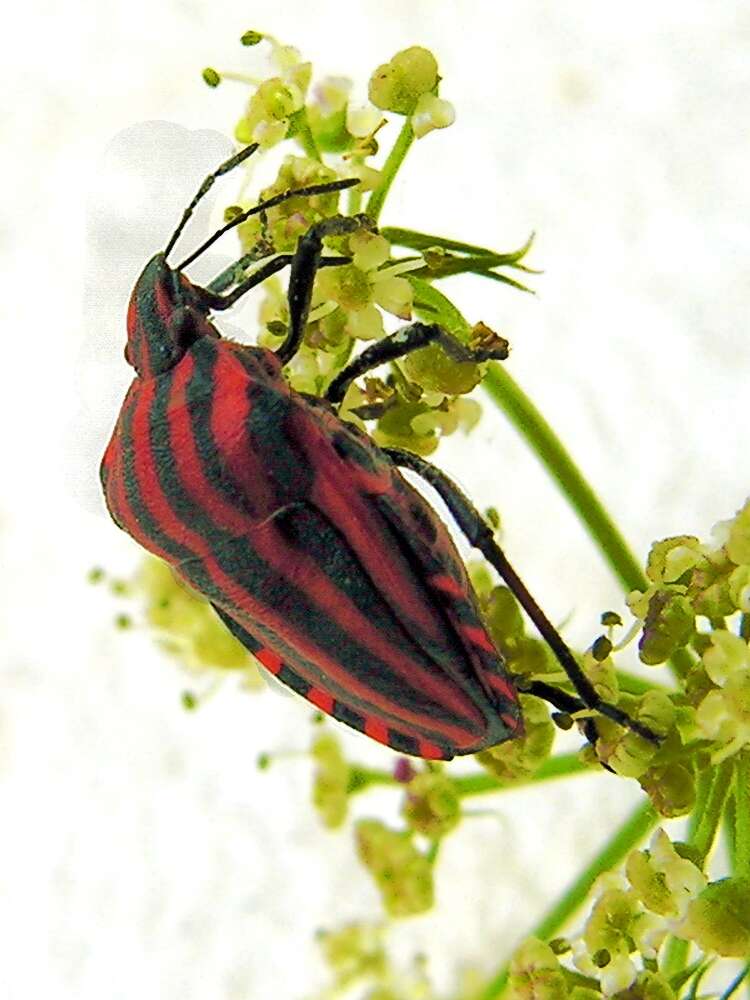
(314, 550)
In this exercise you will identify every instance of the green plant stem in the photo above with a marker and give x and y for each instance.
(736, 982)
(389, 170)
(630, 834)
(480, 783)
(729, 829)
(304, 136)
(561, 766)
(531, 425)
(710, 817)
(742, 814)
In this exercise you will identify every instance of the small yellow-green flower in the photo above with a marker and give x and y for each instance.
(431, 804)
(331, 780)
(402, 874)
(535, 973)
(354, 952)
(517, 759)
(268, 112)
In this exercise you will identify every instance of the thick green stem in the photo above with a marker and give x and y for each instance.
(530, 423)
(630, 834)
(390, 169)
(742, 814)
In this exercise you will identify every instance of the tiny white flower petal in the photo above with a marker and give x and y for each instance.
(678, 560)
(649, 931)
(395, 295)
(720, 532)
(582, 960)
(430, 113)
(363, 120)
(618, 975)
(321, 311)
(365, 324)
(728, 653)
(332, 93)
(268, 134)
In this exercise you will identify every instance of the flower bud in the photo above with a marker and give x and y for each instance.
(398, 85)
(535, 973)
(671, 789)
(669, 624)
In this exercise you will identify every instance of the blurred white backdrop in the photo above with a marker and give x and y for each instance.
(143, 854)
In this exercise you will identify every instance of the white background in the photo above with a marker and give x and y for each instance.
(143, 854)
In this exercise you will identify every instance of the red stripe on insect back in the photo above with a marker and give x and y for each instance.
(429, 751)
(376, 729)
(335, 605)
(271, 545)
(190, 468)
(321, 699)
(447, 585)
(230, 409)
(163, 299)
(503, 686)
(514, 723)
(478, 637)
(332, 492)
(270, 660)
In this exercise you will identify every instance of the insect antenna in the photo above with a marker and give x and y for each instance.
(230, 164)
(303, 192)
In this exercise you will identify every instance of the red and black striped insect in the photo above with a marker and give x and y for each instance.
(314, 550)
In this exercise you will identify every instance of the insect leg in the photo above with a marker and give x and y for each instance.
(213, 300)
(479, 534)
(305, 263)
(404, 341)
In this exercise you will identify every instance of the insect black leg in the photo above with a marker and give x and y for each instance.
(206, 186)
(213, 300)
(404, 341)
(305, 263)
(479, 534)
(562, 701)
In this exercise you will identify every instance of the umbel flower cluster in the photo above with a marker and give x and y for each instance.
(661, 919)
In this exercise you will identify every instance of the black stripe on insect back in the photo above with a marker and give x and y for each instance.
(249, 572)
(304, 527)
(201, 390)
